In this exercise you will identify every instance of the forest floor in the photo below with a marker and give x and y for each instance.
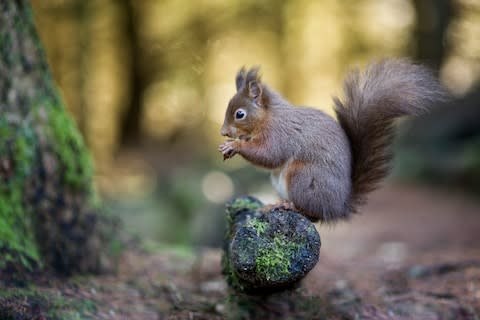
(414, 253)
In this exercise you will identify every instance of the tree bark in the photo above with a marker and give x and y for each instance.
(433, 19)
(130, 124)
(49, 213)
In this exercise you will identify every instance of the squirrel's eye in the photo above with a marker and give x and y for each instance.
(240, 114)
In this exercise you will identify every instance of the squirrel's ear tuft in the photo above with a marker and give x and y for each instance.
(254, 85)
(240, 78)
(253, 75)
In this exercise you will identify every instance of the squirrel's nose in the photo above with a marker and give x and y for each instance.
(224, 131)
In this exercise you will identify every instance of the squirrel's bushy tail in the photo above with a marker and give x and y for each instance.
(373, 99)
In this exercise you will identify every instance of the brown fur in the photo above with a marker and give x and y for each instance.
(373, 100)
(327, 166)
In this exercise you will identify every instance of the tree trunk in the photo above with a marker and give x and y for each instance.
(49, 213)
(130, 124)
(433, 19)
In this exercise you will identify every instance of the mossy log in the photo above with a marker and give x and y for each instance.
(267, 251)
(49, 212)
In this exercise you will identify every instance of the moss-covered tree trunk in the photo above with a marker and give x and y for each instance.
(48, 210)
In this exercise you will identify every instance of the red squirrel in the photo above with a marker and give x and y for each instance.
(325, 167)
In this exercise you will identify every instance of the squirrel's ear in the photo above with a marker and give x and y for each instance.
(255, 91)
(254, 85)
(240, 78)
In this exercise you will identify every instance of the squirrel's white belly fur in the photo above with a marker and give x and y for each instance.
(278, 177)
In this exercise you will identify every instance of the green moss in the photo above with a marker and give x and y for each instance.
(273, 261)
(70, 148)
(259, 226)
(16, 235)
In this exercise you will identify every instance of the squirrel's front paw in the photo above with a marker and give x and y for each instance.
(228, 149)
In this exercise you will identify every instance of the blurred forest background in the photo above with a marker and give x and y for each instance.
(148, 82)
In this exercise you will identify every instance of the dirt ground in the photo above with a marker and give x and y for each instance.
(413, 253)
